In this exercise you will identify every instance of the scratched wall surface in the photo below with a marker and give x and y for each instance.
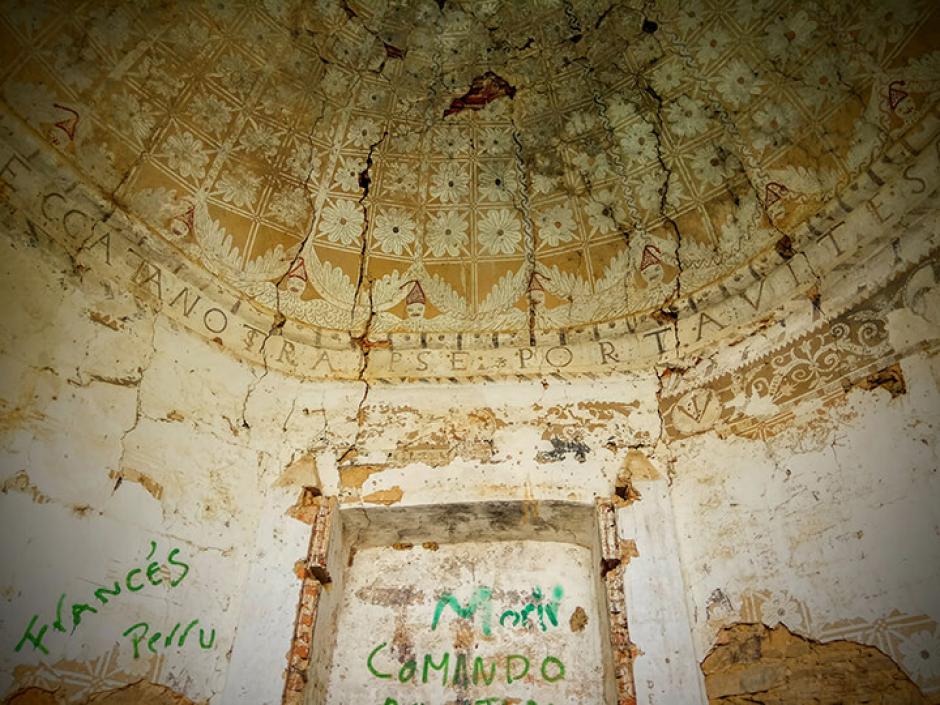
(525, 609)
(454, 252)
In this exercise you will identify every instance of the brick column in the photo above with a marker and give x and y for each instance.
(315, 576)
(615, 554)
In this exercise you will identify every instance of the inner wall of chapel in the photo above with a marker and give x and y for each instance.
(450, 352)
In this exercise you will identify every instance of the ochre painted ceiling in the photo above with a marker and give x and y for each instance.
(473, 169)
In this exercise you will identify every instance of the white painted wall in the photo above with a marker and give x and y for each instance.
(666, 669)
(392, 597)
(831, 528)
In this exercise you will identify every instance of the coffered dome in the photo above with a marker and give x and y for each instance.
(479, 175)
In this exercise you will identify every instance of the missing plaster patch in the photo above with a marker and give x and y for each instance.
(393, 52)
(562, 448)
(638, 467)
(392, 495)
(483, 90)
(718, 605)
(15, 417)
(320, 574)
(32, 696)
(353, 477)
(579, 620)
(890, 378)
(20, 482)
(307, 506)
(81, 510)
(139, 693)
(104, 320)
(154, 488)
(300, 471)
(784, 248)
(773, 666)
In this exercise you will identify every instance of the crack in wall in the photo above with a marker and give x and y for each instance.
(280, 319)
(528, 229)
(365, 182)
(138, 400)
(657, 126)
(365, 348)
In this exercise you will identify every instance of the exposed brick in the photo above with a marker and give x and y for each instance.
(298, 658)
(757, 665)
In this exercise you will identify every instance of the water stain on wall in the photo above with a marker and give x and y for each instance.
(20, 482)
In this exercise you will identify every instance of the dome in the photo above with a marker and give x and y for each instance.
(445, 188)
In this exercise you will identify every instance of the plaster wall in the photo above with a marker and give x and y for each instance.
(125, 439)
(830, 528)
(397, 610)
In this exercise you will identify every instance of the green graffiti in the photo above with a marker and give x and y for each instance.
(34, 639)
(480, 599)
(407, 671)
(428, 661)
(559, 669)
(186, 631)
(203, 645)
(134, 580)
(178, 564)
(461, 677)
(371, 668)
(535, 605)
(551, 609)
(127, 580)
(462, 701)
(169, 637)
(141, 631)
(102, 591)
(509, 669)
(135, 640)
(539, 613)
(57, 624)
(78, 610)
(478, 671)
(510, 676)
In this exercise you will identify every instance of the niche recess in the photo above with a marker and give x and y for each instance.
(462, 603)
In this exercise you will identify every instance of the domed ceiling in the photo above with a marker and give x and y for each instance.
(463, 176)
